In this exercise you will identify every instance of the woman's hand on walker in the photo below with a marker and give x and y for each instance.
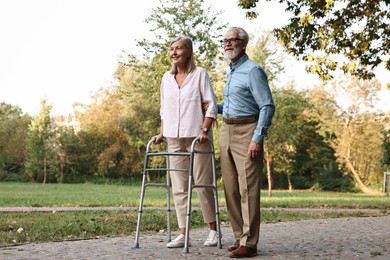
(158, 138)
(202, 137)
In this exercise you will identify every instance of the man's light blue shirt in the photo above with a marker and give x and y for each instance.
(247, 93)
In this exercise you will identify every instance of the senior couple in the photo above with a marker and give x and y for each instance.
(188, 109)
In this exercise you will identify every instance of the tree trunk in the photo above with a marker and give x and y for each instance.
(269, 161)
(352, 169)
(269, 175)
(357, 178)
(290, 188)
(44, 170)
(62, 172)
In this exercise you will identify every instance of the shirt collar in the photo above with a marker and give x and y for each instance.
(237, 64)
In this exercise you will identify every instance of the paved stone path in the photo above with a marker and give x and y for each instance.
(336, 238)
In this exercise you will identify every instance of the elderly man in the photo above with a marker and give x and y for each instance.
(247, 112)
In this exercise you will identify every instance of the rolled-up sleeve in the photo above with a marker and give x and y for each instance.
(261, 92)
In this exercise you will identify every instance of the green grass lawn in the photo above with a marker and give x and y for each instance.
(92, 195)
(57, 226)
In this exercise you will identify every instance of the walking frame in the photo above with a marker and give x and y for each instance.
(151, 153)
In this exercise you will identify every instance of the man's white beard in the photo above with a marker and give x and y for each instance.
(234, 54)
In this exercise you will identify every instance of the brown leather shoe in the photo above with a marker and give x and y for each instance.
(234, 246)
(243, 251)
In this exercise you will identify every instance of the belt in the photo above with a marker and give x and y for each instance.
(240, 120)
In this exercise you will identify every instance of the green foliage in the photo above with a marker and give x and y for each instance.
(110, 153)
(355, 123)
(80, 152)
(331, 179)
(41, 145)
(302, 153)
(189, 18)
(386, 148)
(13, 131)
(264, 53)
(139, 117)
(352, 129)
(250, 6)
(317, 30)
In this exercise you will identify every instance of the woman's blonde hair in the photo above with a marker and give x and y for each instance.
(190, 66)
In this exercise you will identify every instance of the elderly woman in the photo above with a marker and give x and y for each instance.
(183, 91)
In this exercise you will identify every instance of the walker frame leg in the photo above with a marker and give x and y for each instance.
(168, 194)
(136, 243)
(146, 170)
(189, 209)
(191, 186)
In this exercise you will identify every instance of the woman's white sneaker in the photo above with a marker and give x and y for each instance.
(212, 239)
(178, 242)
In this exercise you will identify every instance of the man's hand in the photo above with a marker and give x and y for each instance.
(254, 150)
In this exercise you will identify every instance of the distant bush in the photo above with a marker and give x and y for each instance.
(12, 177)
(335, 181)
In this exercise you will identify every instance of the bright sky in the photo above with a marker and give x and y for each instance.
(64, 50)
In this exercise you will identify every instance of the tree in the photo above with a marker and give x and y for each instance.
(13, 131)
(184, 17)
(80, 154)
(77, 154)
(41, 146)
(263, 52)
(385, 161)
(296, 154)
(319, 30)
(353, 128)
(110, 154)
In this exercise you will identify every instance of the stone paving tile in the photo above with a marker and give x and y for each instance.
(336, 238)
